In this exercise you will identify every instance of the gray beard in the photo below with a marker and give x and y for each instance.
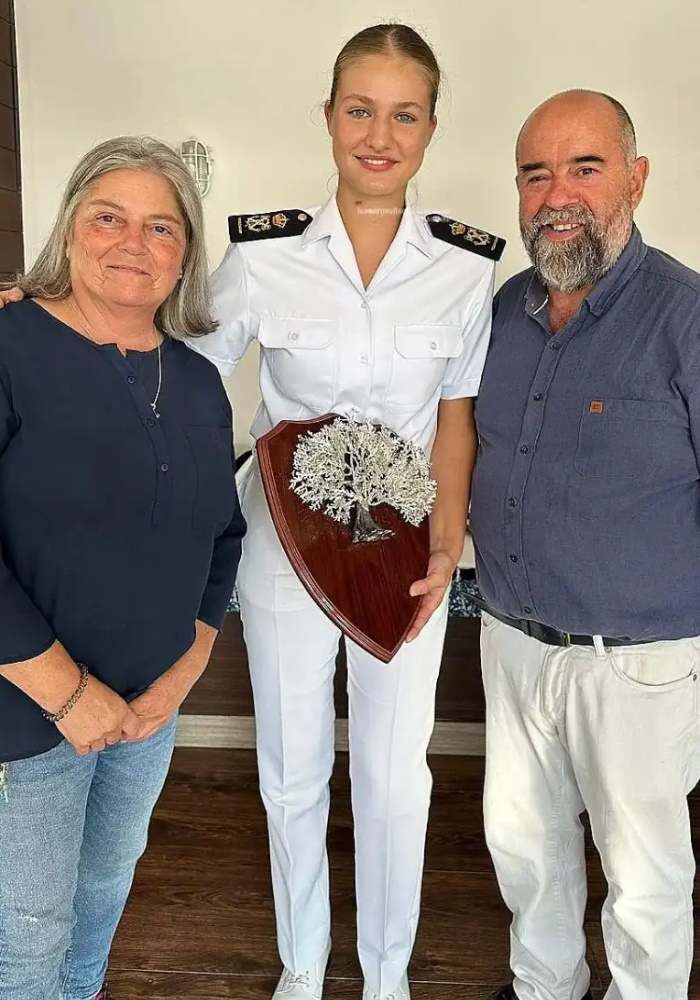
(580, 262)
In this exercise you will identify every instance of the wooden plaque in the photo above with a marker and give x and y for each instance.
(361, 586)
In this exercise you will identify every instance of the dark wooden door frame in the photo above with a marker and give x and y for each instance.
(11, 242)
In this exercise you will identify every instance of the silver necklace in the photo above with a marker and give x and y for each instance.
(153, 404)
(160, 383)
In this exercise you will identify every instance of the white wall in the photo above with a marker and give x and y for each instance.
(250, 79)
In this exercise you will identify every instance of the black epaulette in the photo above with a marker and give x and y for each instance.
(290, 222)
(462, 235)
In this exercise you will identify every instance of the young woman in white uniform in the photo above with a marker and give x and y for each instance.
(359, 309)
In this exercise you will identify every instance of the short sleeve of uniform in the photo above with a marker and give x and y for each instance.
(231, 308)
(463, 373)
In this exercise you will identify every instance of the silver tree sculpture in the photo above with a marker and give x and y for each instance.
(347, 468)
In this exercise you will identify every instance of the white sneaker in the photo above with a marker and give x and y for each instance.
(305, 985)
(402, 992)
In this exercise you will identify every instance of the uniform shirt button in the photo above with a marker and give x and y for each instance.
(131, 379)
(512, 501)
(524, 449)
(294, 335)
(527, 609)
(538, 397)
(554, 346)
(433, 345)
(164, 467)
(513, 558)
(150, 422)
(364, 305)
(364, 359)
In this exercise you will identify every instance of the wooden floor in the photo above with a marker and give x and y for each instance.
(200, 921)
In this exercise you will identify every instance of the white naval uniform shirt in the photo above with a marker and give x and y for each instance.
(389, 353)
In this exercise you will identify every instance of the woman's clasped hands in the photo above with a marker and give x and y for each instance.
(101, 718)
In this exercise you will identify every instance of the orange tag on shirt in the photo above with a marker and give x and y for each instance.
(597, 406)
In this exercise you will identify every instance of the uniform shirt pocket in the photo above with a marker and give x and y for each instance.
(624, 438)
(300, 354)
(215, 489)
(421, 354)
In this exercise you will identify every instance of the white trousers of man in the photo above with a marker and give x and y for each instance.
(292, 648)
(615, 731)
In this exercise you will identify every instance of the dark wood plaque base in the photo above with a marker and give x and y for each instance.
(362, 587)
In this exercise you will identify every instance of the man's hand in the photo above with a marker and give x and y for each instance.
(14, 294)
(163, 698)
(432, 587)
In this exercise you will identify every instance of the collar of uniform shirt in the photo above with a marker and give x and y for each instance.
(609, 285)
(327, 221)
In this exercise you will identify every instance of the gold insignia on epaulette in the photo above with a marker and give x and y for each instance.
(267, 225)
(478, 237)
(470, 238)
(258, 223)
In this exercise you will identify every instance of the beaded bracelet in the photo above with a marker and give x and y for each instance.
(63, 712)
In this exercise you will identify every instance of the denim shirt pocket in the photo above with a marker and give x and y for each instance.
(622, 438)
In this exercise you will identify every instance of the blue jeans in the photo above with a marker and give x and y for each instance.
(71, 832)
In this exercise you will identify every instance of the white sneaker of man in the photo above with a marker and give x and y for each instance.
(305, 985)
(402, 992)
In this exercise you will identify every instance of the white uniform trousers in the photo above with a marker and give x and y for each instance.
(292, 648)
(616, 732)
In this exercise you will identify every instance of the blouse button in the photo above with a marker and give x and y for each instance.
(433, 345)
(294, 336)
(130, 379)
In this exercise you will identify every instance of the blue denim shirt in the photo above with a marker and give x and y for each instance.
(586, 496)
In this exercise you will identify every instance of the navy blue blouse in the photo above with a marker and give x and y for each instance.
(118, 529)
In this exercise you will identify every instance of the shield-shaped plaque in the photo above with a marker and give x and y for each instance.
(361, 586)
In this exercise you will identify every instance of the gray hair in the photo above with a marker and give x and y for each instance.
(187, 310)
(628, 136)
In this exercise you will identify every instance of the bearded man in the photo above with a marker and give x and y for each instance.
(586, 518)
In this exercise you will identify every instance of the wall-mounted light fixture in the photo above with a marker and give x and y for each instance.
(197, 159)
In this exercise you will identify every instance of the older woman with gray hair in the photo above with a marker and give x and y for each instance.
(119, 540)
